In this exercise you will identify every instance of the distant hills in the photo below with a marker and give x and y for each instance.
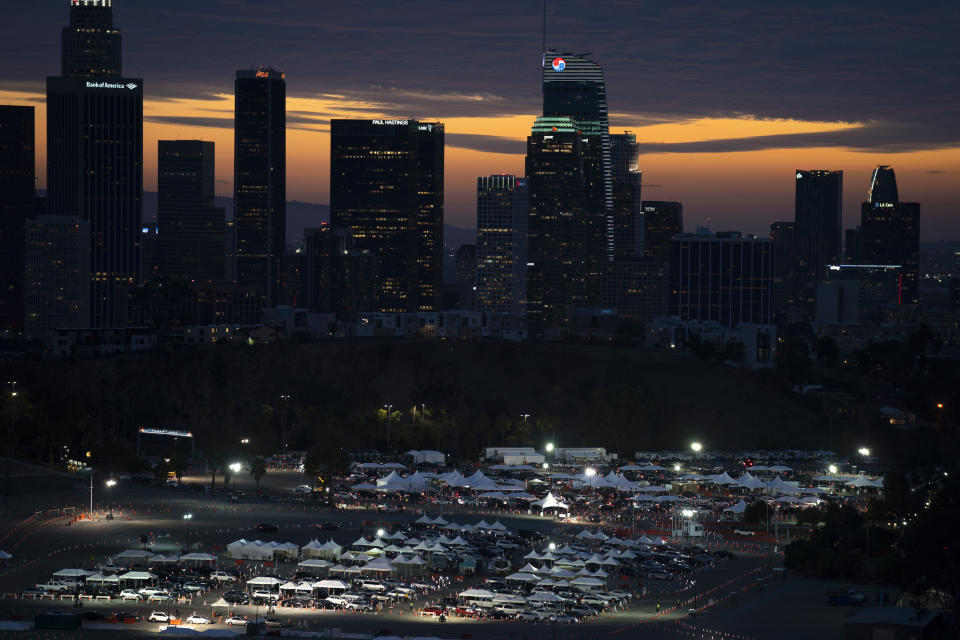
(303, 215)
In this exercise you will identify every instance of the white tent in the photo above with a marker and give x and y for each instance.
(72, 573)
(380, 565)
(136, 576)
(264, 581)
(740, 507)
(331, 585)
(549, 501)
(198, 557)
(133, 555)
(723, 478)
(543, 596)
(102, 579)
(522, 577)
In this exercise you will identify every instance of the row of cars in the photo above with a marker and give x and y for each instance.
(573, 605)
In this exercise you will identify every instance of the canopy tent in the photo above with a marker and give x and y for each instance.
(475, 593)
(221, 604)
(264, 581)
(315, 549)
(522, 577)
(740, 507)
(132, 556)
(331, 585)
(102, 579)
(199, 558)
(72, 573)
(723, 478)
(136, 576)
(314, 567)
(549, 501)
(863, 481)
(380, 565)
(588, 582)
(479, 482)
(171, 558)
(543, 596)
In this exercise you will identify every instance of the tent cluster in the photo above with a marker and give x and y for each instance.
(143, 556)
(259, 550)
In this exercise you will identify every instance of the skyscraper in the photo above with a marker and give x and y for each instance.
(95, 155)
(818, 215)
(725, 278)
(661, 221)
(386, 192)
(191, 228)
(16, 205)
(57, 274)
(259, 179)
(627, 209)
(786, 287)
(574, 87)
(560, 261)
(502, 243)
(889, 233)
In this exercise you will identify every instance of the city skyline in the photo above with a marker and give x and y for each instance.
(726, 104)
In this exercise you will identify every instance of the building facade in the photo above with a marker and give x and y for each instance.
(725, 278)
(259, 179)
(16, 206)
(190, 228)
(661, 221)
(627, 205)
(56, 276)
(818, 216)
(95, 155)
(502, 244)
(386, 195)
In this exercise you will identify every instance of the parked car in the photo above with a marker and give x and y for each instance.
(273, 622)
(127, 615)
(303, 488)
(159, 616)
(195, 619)
(130, 594)
(223, 576)
(54, 586)
(160, 597)
(235, 621)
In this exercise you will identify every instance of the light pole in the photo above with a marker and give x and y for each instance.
(388, 408)
(188, 517)
(697, 448)
(13, 413)
(110, 484)
(524, 416)
(235, 468)
(284, 398)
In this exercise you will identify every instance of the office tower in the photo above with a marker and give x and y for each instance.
(786, 280)
(627, 206)
(386, 192)
(339, 278)
(502, 244)
(574, 87)
(637, 288)
(857, 294)
(190, 227)
(560, 273)
(90, 44)
(466, 268)
(661, 221)
(57, 255)
(290, 291)
(259, 179)
(724, 277)
(818, 215)
(954, 292)
(95, 155)
(889, 233)
(16, 205)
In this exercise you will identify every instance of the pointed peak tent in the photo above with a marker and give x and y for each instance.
(740, 507)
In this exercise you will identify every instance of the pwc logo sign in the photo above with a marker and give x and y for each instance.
(559, 64)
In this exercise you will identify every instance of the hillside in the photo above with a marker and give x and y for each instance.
(474, 393)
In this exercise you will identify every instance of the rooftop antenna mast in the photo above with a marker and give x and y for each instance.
(543, 41)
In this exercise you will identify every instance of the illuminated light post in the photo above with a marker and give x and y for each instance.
(546, 466)
(284, 398)
(697, 447)
(832, 469)
(676, 467)
(235, 469)
(864, 451)
(524, 416)
(110, 484)
(590, 472)
(188, 517)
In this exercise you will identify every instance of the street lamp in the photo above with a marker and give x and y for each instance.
(381, 533)
(676, 467)
(245, 441)
(285, 398)
(832, 469)
(865, 452)
(110, 484)
(524, 416)
(590, 472)
(688, 513)
(546, 466)
(235, 468)
(549, 447)
(553, 546)
(188, 517)
(696, 446)
(388, 408)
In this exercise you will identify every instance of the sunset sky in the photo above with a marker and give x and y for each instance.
(727, 99)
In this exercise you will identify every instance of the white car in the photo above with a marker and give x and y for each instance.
(130, 594)
(54, 585)
(336, 601)
(159, 597)
(303, 488)
(149, 591)
(159, 616)
(221, 576)
(234, 620)
(195, 619)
